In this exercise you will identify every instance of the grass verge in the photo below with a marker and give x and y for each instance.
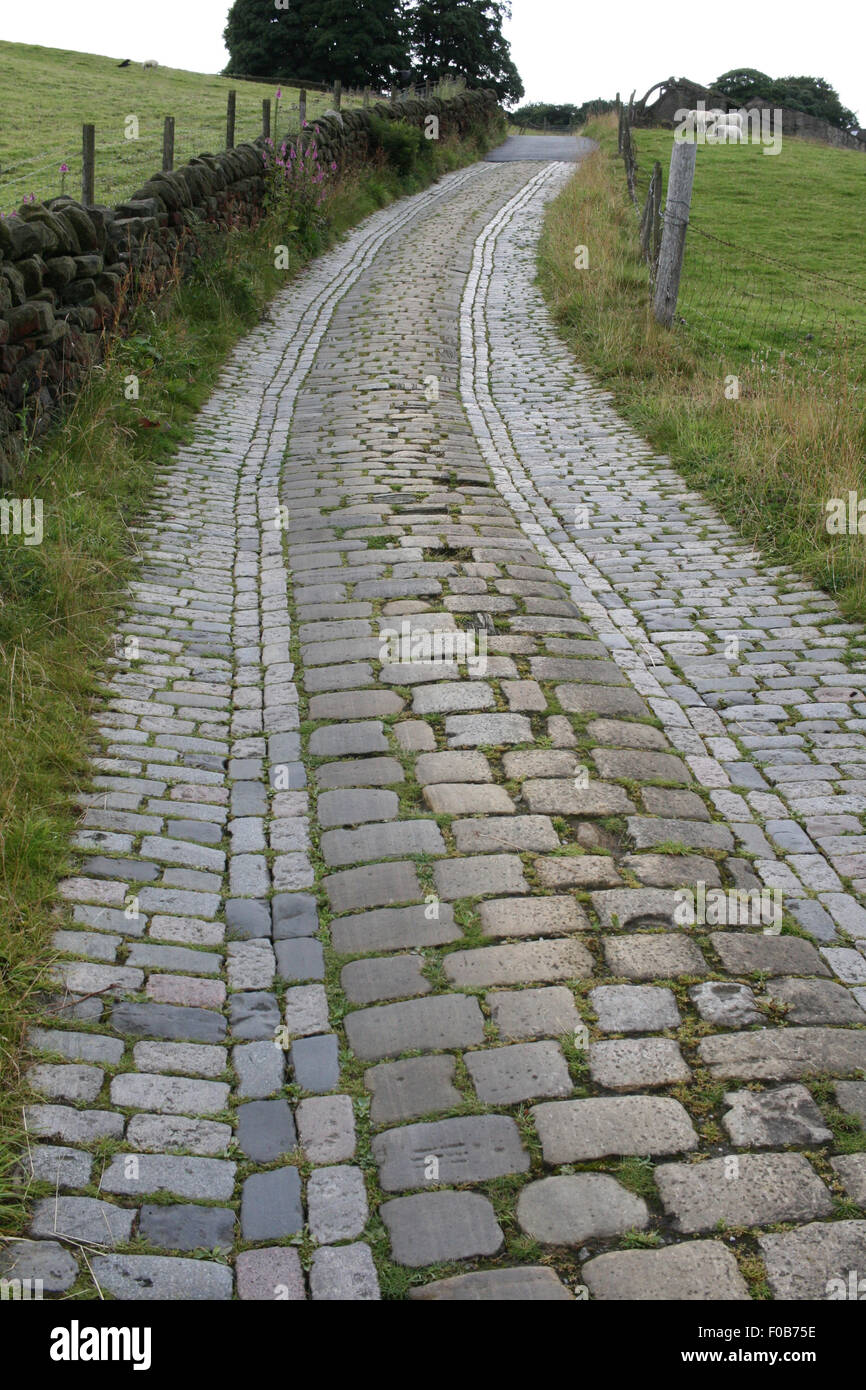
(772, 458)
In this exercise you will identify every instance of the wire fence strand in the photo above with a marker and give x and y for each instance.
(741, 299)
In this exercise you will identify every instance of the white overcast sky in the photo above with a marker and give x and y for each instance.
(564, 50)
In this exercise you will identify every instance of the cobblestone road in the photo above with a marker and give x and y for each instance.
(380, 973)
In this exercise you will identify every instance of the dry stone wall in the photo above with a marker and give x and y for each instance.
(69, 274)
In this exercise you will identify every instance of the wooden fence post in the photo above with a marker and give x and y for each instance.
(646, 224)
(230, 120)
(676, 220)
(366, 96)
(338, 93)
(168, 144)
(266, 117)
(302, 107)
(656, 216)
(88, 163)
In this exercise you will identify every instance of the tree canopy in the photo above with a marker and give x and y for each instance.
(560, 116)
(813, 95)
(362, 42)
(365, 42)
(452, 37)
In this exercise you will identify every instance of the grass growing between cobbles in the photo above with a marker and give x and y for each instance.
(95, 472)
(769, 460)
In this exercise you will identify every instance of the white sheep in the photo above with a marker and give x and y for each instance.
(716, 127)
(727, 130)
(150, 63)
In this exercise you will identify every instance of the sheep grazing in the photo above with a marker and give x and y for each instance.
(727, 129)
(150, 63)
(715, 127)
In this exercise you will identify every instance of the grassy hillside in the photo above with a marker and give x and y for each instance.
(64, 90)
(795, 221)
(771, 456)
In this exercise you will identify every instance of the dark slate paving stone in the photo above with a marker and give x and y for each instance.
(398, 838)
(301, 959)
(343, 740)
(745, 952)
(374, 885)
(188, 1227)
(254, 1014)
(249, 799)
(526, 1284)
(294, 914)
(284, 748)
(416, 1086)
(203, 832)
(424, 1025)
(266, 1130)
(815, 1001)
(602, 699)
(359, 772)
(247, 918)
(551, 668)
(162, 1277)
(393, 928)
(287, 776)
(45, 1260)
(205, 761)
(813, 918)
(130, 870)
(470, 1149)
(172, 1021)
(315, 1062)
(271, 1205)
(435, 1227)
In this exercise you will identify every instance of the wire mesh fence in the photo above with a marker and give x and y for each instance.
(739, 297)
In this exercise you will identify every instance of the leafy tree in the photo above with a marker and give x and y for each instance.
(452, 37)
(813, 95)
(742, 84)
(266, 42)
(360, 41)
(560, 116)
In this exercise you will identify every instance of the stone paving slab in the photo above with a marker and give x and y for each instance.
(336, 898)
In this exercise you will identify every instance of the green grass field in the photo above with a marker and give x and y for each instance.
(796, 266)
(794, 435)
(64, 90)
